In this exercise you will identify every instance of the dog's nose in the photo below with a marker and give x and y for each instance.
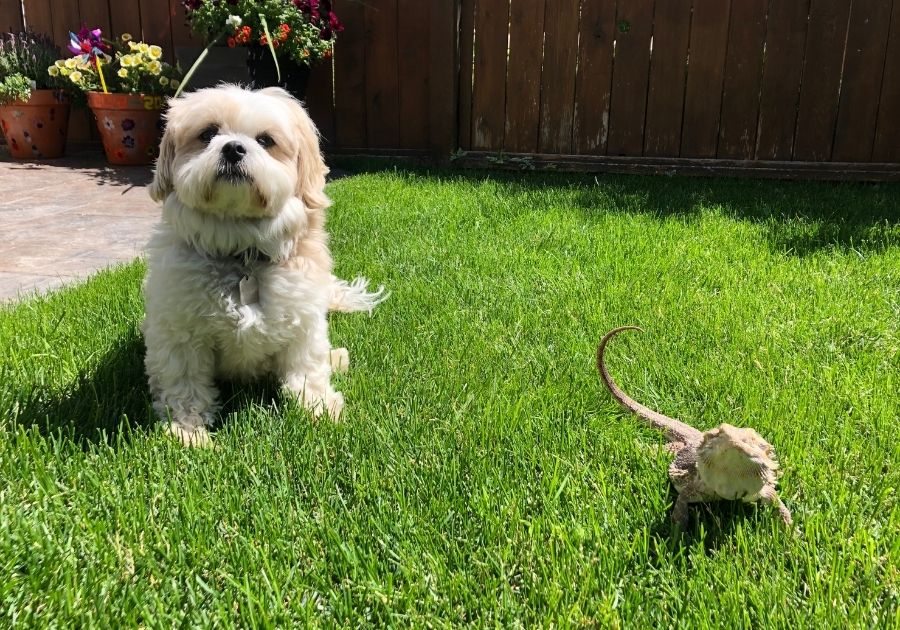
(233, 152)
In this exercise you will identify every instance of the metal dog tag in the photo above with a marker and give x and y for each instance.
(249, 288)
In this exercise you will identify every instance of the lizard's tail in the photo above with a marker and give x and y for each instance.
(674, 429)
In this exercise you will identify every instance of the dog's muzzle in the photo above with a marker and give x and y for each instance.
(230, 170)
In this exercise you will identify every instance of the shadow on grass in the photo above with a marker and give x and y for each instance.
(710, 524)
(100, 404)
(800, 217)
(114, 398)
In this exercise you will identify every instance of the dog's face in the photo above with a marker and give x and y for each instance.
(239, 154)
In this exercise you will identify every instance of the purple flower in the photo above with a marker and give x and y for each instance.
(127, 124)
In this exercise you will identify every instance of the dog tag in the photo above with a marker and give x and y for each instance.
(249, 288)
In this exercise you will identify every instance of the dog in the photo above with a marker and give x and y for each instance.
(239, 281)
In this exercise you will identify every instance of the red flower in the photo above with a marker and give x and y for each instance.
(334, 22)
(232, 42)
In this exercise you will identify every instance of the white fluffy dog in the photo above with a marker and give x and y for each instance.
(240, 275)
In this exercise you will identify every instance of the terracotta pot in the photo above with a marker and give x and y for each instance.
(130, 126)
(36, 128)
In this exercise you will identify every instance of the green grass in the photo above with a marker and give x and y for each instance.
(481, 475)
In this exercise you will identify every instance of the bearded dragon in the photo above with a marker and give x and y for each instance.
(726, 462)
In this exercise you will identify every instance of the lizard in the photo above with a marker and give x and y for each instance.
(726, 462)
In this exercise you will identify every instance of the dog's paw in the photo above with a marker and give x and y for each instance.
(331, 403)
(189, 435)
(340, 360)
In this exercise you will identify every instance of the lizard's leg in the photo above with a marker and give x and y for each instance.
(680, 510)
(770, 496)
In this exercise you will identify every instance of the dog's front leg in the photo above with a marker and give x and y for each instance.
(180, 367)
(305, 368)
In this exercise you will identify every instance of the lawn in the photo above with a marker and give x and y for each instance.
(480, 474)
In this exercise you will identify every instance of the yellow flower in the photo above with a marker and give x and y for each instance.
(84, 66)
(71, 62)
(60, 63)
(155, 67)
(155, 52)
(174, 83)
(64, 71)
(126, 37)
(144, 48)
(75, 76)
(127, 61)
(53, 71)
(122, 72)
(164, 80)
(132, 46)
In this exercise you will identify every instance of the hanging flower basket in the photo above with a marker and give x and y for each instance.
(294, 76)
(36, 128)
(130, 126)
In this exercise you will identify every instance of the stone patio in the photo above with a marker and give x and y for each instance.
(63, 220)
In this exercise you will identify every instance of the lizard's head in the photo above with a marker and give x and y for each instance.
(736, 462)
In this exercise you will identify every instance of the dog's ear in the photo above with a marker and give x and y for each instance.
(162, 174)
(311, 169)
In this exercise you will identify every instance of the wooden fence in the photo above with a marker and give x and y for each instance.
(809, 87)
(389, 90)
(771, 84)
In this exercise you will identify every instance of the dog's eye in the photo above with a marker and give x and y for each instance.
(209, 133)
(265, 140)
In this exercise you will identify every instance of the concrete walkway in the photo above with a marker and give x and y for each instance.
(62, 220)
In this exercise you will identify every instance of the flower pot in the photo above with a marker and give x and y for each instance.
(130, 126)
(294, 76)
(36, 128)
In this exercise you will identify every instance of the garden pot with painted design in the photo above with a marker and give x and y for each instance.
(130, 126)
(37, 128)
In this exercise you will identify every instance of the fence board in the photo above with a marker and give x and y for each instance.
(887, 133)
(821, 80)
(466, 71)
(350, 76)
(382, 88)
(125, 17)
(593, 83)
(668, 69)
(95, 13)
(631, 72)
(65, 19)
(156, 25)
(181, 31)
(38, 16)
(523, 81)
(489, 89)
(443, 72)
(11, 15)
(780, 89)
(412, 36)
(863, 68)
(706, 67)
(558, 84)
(743, 75)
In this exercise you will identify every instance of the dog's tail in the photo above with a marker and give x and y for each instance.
(349, 297)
